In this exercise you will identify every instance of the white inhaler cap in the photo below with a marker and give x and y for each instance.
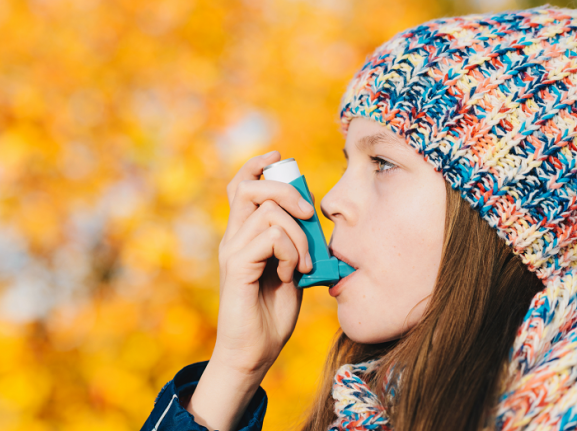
(284, 171)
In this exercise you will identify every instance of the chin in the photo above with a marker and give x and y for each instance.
(365, 333)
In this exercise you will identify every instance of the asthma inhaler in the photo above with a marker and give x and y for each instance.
(327, 270)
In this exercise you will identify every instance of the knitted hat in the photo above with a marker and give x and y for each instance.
(490, 101)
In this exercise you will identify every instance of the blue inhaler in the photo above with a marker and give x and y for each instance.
(327, 270)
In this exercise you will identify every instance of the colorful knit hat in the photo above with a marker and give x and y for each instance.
(489, 101)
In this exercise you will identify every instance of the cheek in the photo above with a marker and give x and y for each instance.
(407, 237)
(402, 248)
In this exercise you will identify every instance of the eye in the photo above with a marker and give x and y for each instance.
(382, 162)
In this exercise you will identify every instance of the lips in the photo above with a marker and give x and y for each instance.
(339, 256)
(336, 290)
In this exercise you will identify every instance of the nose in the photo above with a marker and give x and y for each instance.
(338, 203)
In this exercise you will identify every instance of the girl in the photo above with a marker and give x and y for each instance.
(458, 209)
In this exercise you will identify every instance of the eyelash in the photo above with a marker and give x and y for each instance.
(378, 161)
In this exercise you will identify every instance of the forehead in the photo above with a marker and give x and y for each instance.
(384, 139)
(367, 142)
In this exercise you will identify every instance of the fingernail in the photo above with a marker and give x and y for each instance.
(305, 206)
(268, 154)
(308, 261)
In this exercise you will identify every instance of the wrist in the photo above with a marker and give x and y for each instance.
(222, 395)
(224, 360)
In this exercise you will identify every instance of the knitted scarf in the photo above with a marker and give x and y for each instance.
(489, 100)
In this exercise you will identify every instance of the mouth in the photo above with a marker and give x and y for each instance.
(342, 258)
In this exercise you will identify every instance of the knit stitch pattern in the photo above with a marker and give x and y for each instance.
(489, 101)
(357, 407)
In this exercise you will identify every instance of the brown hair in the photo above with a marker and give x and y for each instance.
(452, 359)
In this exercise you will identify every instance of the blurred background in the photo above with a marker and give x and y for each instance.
(121, 123)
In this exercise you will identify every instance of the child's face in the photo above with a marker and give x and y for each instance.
(390, 226)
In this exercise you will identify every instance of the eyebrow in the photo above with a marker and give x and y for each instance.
(368, 142)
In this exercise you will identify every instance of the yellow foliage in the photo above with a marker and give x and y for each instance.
(17, 387)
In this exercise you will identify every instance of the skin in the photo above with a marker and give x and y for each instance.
(389, 226)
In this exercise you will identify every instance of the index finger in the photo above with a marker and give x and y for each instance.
(251, 170)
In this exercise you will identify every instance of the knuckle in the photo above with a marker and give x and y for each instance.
(276, 232)
(243, 187)
(268, 206)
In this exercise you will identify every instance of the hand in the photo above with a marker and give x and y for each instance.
(261, 247)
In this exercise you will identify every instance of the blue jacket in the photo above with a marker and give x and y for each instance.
(169, 415)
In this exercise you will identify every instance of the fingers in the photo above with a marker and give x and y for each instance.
(251, 170)
(258, 206)
(273, 241)
(266, 216)
(251, 194)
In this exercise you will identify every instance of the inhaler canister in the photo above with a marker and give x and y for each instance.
(327, 270)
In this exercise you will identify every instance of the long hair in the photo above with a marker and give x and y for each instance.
(450, 363)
